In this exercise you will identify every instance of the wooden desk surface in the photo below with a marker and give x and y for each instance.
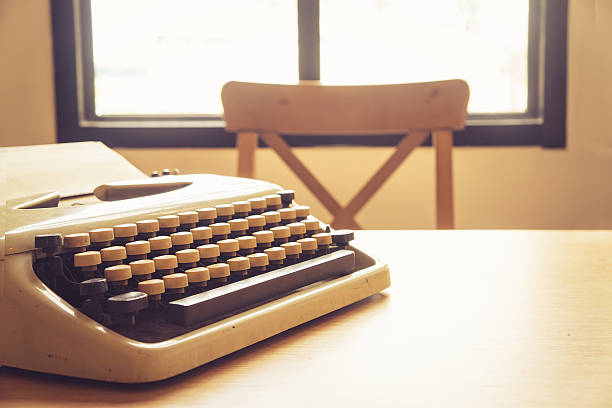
(473, 318)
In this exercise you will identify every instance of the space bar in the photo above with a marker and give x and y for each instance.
(238, 295)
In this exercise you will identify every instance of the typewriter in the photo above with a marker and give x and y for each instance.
(149, 278)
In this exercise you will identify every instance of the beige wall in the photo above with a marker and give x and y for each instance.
(495, 187)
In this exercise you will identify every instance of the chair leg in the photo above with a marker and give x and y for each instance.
(246, 144)
(443, 143)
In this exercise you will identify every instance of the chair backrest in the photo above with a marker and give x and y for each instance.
(349, 110)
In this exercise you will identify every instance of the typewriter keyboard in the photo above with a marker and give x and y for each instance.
(156, 279)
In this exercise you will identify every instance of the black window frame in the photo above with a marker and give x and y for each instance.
(544, 124)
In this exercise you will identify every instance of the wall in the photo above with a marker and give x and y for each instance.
(494, 187)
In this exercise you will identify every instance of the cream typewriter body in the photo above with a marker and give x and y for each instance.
(148, 281)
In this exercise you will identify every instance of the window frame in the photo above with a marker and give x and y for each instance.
(544, 123)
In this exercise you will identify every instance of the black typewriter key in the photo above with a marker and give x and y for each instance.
(160, 245)
(117, 277)
(287, 215)
(50, 267)
(258, 205)
(247, 245)
(142, 270)
(187, 259)
(92, 292)
(48, 243)
(111, 256)
(124, 233)
(206, 216)
(298, 230)
(201, 236)
(197, 278)
(281, 235)
(124, 307)
(87, 264)
(301, 212)
(342, 238)
(155, 173)
(273, 202)
(273, 219)
(256, 223)
(181, 240)
(166, 172)
(220, 231)
(101, 238)
(137, 250)
(312, 227)
(259, 263)
(175, 285)
(168, 224)
(228, 249)
(309, 247)
(209, 254)
(324, 240)
(188, 220)
(165, 265)
(293, 250)
(225, 212)
(241, 209)
(147, 229)
(219, 273)
(238, 227)
(239, 268)
(75, 243)
(154, 288)
(276, 257)
(264, 239)
(287, 197)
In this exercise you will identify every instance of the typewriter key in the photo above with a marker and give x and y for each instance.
(228, 248)
(113, 255)
(142, 270)
(50, 267)
(101, 238)
(259, 263)
(187, 258)
(94, 288)
(258, 205)
(312, 227)
(225, 212)
(264, 239)
(273, 202)
(206, 216)
(256, 223)
(181, 240)
(287, 197)
(241, 209)
(147, 229)
(287, 215)
(188, 220)
(301, 212)
(309, 247)
(276, 257)
(166, 172)
(87, 262)
(123, 308)
(137, 250)
(117, 277)
(281, 235)
(219, 273)
(220, 230)
(298, 230)
(324, 240)
(201, 235)
(209, 254)
(238, 227)
(124, 233)
(342, 238)
(247, 245)
(239, 268)
(75, 243)
(165, 264)
(48, 243)
(175, 285)
(197, 278)
(160, 245)
(154, 288)
(293, 250)
(168, 224)
(273, 219)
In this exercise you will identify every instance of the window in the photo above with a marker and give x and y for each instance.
(149, 72)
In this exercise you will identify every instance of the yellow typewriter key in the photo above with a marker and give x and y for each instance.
(188, 220)
(298, 230)
(206, 216)
(87, 262)
(142, 269)
(258, 205)
(220, 230)
(168, 224)
(137, 250)
(187, 258)
(181, 240)
(101, 238)
(175, 285)
(241, 209)
(160, 245)
(209, 254)
(201, 235)
(309, 247)
(238, 227)
(273, 219)
(75, 243)
(147, 229)
(256, 223)
(247, 245)
(219, 273)
(228, 248)
(276, 256)
(324, 240)
(312, 227)
(239, 268)
(117, 277)
(293, 250)
(273, 202)
(287, 215)
(124, 233)
(225, 212)
(113, 255)
(301, 212)
(281, 235)
(264, 239)
(259, 263)
(197, 278)
(154, 288)
(165, 264)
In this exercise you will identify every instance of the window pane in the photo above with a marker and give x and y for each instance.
(172, 57)
(387, 41)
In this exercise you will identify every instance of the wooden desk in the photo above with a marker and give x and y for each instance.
(473, 318)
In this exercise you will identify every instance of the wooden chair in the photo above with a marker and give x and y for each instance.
(265, 110)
